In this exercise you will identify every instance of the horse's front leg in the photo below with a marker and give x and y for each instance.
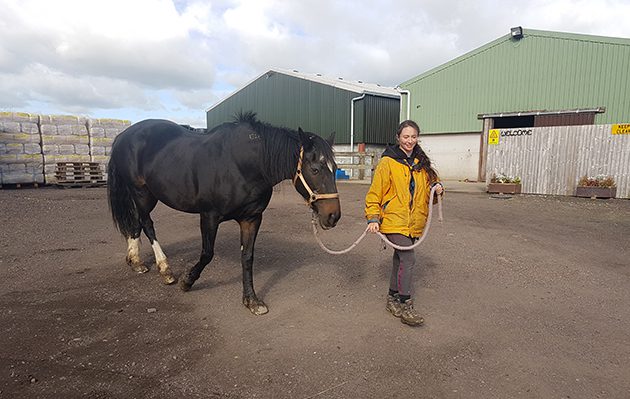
(249, 231)
(209, 223)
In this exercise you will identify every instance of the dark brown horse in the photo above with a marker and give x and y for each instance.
(226, 174)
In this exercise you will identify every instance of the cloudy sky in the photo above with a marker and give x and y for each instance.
(138, 59)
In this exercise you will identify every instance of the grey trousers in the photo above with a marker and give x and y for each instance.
(403, 264)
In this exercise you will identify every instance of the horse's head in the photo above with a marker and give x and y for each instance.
(315, 178)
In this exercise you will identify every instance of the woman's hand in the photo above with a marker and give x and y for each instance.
(439, 189)
(373, 227)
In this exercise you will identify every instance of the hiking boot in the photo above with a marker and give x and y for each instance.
(393, 305)
(408, 314)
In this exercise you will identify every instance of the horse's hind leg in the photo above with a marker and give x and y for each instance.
(133, 252)
(160, 258)
(145, 203)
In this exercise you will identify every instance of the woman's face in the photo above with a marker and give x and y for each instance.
(407, 139)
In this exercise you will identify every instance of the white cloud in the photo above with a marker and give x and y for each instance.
(146, 57)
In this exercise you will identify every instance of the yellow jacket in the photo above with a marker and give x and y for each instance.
(389, 197)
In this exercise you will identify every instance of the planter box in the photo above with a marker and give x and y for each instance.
(596, 192)
(504, 188)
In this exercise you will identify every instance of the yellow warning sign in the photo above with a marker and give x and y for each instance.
(621, 128)
(493, 136)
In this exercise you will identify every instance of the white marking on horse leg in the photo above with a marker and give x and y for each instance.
(162, 263)
(157, 250)
(133, 250)
(133, 255)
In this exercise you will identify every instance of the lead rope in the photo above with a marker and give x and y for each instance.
(383, 237)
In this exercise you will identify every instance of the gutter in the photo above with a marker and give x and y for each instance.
(597, 110)
(408, 94)
(362, 96)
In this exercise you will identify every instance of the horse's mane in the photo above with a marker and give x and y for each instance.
(281, 147)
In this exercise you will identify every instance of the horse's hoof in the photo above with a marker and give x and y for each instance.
(257, 307)
(184, 285)
(137, 265)
(139, 268)
(259, 310)
(169, 279)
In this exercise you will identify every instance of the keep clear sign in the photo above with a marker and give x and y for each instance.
(621, 128)
(493, 136)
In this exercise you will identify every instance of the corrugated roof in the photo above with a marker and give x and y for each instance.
(526, 32)
(349, 85)
(352, 86)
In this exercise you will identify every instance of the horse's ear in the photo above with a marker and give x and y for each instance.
(305, 138)
(331, 139)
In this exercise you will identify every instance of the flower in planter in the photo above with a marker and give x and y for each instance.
(501, 178)
(597, 181)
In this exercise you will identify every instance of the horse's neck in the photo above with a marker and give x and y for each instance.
(282, 163)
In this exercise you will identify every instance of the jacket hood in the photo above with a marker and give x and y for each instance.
(394, 151)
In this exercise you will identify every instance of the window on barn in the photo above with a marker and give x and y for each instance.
(561, 119)
(508, 122)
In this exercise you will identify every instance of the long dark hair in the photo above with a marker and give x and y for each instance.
(425, 162)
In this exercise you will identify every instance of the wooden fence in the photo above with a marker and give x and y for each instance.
(360, 164)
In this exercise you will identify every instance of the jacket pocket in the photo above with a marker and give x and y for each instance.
(389, 197)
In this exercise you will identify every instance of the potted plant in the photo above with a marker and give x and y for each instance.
(596, 187)
(504, 184)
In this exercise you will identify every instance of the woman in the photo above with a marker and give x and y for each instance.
(397, 205)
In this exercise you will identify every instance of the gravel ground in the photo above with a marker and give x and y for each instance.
(523, 297)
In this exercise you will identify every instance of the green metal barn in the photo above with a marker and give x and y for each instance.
(357, 112)
(527, 78)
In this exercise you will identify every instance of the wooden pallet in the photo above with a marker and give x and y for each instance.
(19, 185)
(79, 174)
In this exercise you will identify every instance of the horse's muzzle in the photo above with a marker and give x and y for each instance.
(328, 212)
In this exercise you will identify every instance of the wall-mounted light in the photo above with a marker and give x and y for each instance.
(516, 33)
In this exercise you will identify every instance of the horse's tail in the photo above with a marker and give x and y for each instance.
(121, 203)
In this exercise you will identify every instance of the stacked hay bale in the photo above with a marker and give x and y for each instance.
(55, 149)
(102, 133)
(64, 139)
(21, 160)
(72, 139)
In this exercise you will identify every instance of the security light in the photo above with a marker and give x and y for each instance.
(516, 33)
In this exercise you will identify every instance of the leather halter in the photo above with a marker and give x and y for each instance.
(312, 195)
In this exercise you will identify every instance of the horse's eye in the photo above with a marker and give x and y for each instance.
(314, 170)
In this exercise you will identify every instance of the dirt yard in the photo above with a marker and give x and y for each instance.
(525, 297)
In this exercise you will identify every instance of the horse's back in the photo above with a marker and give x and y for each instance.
(186, 170)
(150, 131)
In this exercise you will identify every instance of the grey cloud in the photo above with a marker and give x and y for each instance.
(372, 40)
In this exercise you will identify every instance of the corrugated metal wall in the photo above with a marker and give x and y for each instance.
(290, 102)
(542, 71)
(376, 120)
(551, 160)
